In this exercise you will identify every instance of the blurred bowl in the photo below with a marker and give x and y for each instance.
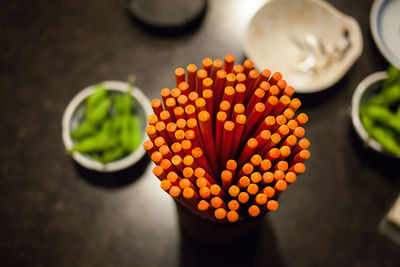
(310, 41)
(74, 114)
(385, 27)
(367, 88)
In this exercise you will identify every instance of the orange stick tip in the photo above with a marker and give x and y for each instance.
(220, 213)
(254, 210)
(272, 205)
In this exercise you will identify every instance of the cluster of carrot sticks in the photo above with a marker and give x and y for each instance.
(226, 141)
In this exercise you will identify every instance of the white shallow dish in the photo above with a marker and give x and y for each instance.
(385, 28)
(73, 115)
(365, 90)
(281, 33)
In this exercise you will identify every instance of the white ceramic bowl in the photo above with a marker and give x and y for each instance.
(75, 111)
(283, 33)
(365, 90)
(385, 28)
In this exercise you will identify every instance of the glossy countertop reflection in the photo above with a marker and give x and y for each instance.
(54, 213)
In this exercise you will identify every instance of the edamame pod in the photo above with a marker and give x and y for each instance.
(83, 130)
(384, 116)
(96, 97)
(100, 112)
(113, 154)
(386, 139)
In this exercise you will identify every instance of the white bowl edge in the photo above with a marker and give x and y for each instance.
(355, 107)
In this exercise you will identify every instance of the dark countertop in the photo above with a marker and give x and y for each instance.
(55, 214)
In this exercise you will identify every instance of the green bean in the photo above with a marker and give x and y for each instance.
(100, 112)
(125, 132)
(99, 142)
(126, 103)
(96, 97)
(84, 129)
(386, 139)
(112, 154)
(384, 116)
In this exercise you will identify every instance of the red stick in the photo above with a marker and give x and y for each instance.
(157, 106)
(254, 117)
(165, 93)
(255, 98)
(248, 151)
(175, 93)
(157, 157)
(149, 146)
(275, 78)
(248, 65)
(162, 131)
(184, 87)
(226, 179)
(230, 80)
(240, 93)
(198, 155)
(237, 109)
(237, 69)
(217, 65)
(183, 101)
(265, 165)
(219, 126)
(237, 135)
(152, 119)
(177, 149)
(208, 96)
(263, 77)
(266, 124)
(192, 98)
(227, 137)
(228, 63)
(159, 173)
(179, 76)
(219, 86)
(191, 77)
(207, 65)
(208, 138)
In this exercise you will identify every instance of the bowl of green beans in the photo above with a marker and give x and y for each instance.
(376, 111)
(103, 127)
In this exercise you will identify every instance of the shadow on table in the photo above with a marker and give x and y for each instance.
(384, 165)
(259, 249)
(114, 179)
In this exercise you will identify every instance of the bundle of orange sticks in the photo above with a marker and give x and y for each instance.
(226, 141)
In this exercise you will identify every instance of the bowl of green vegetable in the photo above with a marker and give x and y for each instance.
(376, 111)
(103, 126)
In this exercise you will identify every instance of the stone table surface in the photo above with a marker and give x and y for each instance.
(54, 213)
